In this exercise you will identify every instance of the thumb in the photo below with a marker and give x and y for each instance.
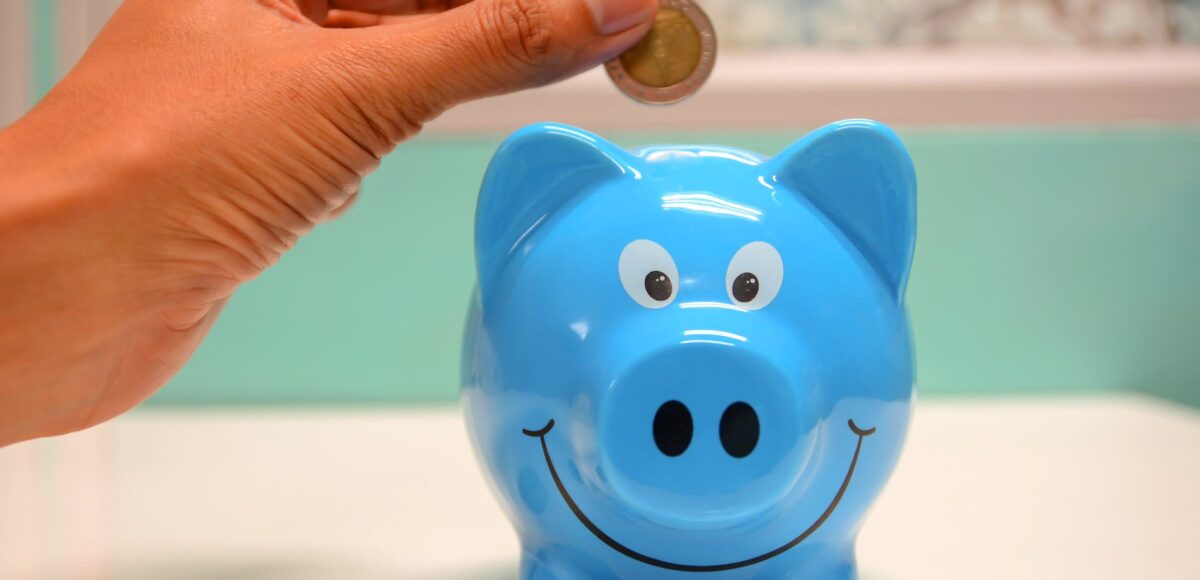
(489, 47)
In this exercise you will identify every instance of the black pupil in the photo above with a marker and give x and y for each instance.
(739, 429)
(658, 286)
(745, 287)
(673, 428)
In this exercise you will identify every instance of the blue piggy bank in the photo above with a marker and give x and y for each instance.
(691, 360)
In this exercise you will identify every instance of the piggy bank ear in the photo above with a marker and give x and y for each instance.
(859, 175)
(536, 171)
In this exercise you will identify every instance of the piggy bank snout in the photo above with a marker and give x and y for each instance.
(702, 435)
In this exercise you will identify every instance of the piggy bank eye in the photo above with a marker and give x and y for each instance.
(754, 276)
(648, 273)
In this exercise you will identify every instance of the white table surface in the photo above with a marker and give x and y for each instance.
(1089, 488)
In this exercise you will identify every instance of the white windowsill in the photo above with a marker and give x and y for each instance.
(904, 88)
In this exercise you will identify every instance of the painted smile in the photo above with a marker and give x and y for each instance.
(540, 434)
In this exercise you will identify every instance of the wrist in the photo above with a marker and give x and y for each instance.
(68, 281)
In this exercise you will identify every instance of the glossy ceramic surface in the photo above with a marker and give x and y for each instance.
(691, 360)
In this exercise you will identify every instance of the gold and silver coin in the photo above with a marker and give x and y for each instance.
(672, 61)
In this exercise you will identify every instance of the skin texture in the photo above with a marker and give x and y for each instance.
(197, 140)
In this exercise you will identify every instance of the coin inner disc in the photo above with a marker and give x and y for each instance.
(668, 53)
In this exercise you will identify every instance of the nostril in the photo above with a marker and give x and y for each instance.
(739, 429)
(673, 428)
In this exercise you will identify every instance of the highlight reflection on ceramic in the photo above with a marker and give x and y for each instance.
(691, 359)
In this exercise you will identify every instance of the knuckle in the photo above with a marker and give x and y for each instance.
(373, 115)
(523, 30)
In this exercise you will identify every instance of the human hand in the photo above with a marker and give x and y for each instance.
(197, 140)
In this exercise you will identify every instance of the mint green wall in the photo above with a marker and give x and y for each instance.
(1047, 261)
(43, 50)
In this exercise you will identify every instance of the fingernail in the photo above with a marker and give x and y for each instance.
(613, 16)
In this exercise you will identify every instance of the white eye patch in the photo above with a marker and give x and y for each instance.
(648, 274)
(754, 276)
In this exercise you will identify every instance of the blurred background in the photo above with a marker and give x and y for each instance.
(1057, 147)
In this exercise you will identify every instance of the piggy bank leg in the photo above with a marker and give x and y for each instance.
(561, 564)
